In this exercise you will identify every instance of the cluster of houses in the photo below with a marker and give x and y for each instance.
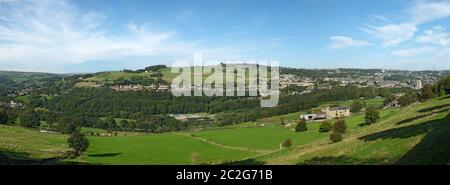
(191, 117)
(14, 104)
(139, 87)
(328, 113)
(289, 79)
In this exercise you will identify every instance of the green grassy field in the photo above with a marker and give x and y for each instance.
(104, 77)
(31, 143)
(417, 134)
(270, 136)
(23, 99)
(169, 148)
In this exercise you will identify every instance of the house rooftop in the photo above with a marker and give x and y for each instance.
(339, 108)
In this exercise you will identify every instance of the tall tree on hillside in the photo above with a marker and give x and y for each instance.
(340, 126)
(371, 116)
(301, 126)
(78, 142)
(407, 99)
(325, 126)
(112, 125)
(3, 116)
(427, 92)
(447, 85)
(29, 118)
(335, 137)
(441, 90)
(356, 106)
(66, 125)
(389, 99)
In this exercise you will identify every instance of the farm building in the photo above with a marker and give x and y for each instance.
(317, 116)
(337, 112)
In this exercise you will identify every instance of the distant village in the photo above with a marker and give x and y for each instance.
(380, 79)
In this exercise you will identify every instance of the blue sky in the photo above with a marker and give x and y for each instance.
(95, 35)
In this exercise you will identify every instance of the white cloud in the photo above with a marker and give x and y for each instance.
(414, 52)
(340, 42)
(435, 36)
(54, 34)
(422, 11)
(392, 34)
(425, 11)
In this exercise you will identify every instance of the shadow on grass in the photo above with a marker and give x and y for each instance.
(420, 117)
(104, 155)
(245, 162)
(445, 97)
(434, 147)
(342, 160)
(403, 132)
(434, 108)
(412, 119)
(17, 158)
(364, 124)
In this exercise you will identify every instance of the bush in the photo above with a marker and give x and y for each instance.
(287, 143)
(301, 126)
(407, 99)
(3, 117)
(356, 106)
(427, 92)
(66, 125)
(340, 126)
(78, 142)
(282, 121)
(372, 116)
(335, 137)
(29, 118)
(325, 126)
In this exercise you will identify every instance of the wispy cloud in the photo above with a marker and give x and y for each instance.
(340, 42)
(42, 35)
(428, 10)
(392, 34)
(421, 11)
(435, 36)
(414, 52)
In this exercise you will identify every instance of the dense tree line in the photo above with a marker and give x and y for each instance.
(149, 109)
(140, 105)
(139, 80)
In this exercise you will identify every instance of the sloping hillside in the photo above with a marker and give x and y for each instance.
(418, 134)
(22, 144)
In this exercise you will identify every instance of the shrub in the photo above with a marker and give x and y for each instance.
(301, 126)
(372, 116)
(325, 126)
(78, 142)
(29, 118)
(66, 125)
(340, 126)
(356, 106)
(3, 116)
(407, 99)
(427, 92)
(335, 137)
(287, 143)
